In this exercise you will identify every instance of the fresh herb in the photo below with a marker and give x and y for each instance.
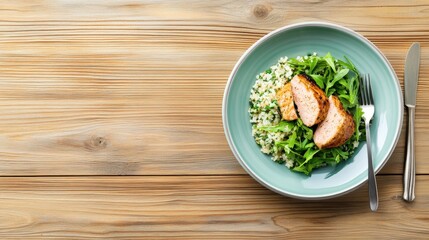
(283, 126)
(332, 75)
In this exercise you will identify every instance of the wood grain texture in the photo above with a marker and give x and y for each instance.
(132, 87)
(200, 207)
(135, 87)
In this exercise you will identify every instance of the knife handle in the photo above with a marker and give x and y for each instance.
(410, 161)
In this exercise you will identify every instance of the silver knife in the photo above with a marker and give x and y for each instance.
(411, 76)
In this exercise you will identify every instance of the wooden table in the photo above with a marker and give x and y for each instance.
(111, 126)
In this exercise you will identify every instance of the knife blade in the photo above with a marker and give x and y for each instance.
(411, 76)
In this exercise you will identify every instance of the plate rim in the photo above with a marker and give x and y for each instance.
(228, 88)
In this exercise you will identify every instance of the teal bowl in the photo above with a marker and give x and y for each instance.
(301, 39)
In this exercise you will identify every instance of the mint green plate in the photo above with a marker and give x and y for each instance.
(301, 39)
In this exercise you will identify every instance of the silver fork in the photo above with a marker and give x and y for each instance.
(368, 109)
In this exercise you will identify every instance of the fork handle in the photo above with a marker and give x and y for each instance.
(410, 161)
(372, 182)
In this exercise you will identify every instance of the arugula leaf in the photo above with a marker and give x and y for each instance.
(303, 169)
(313, 63)
(320, 68)
(293, 61)
(291, 141)
(344, 83)
(340, 153)
(330, 60)
(340, 74)
(319, 80)
(353, 89)
(351, 64)
(309, 145)
(308, 155)
(330, 92)
(308, 132)
(282, 126)
(357, 117)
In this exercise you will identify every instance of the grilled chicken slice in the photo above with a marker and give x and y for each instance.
(285, 102)
(310, 100)
(337, 127)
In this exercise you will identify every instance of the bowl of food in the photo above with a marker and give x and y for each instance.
(291, 110)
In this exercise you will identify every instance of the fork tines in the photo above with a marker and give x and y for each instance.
(366, 90)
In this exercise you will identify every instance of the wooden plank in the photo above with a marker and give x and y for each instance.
(126, 88)
(203, 207)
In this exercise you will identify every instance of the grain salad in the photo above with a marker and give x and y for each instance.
(264, 109)
(291, 142)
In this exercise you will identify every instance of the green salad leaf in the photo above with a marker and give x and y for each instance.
(332, 75)
(283, 126)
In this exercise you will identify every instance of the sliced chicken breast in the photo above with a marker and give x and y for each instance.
(285, 102)
(337, 127)
(310, 100)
